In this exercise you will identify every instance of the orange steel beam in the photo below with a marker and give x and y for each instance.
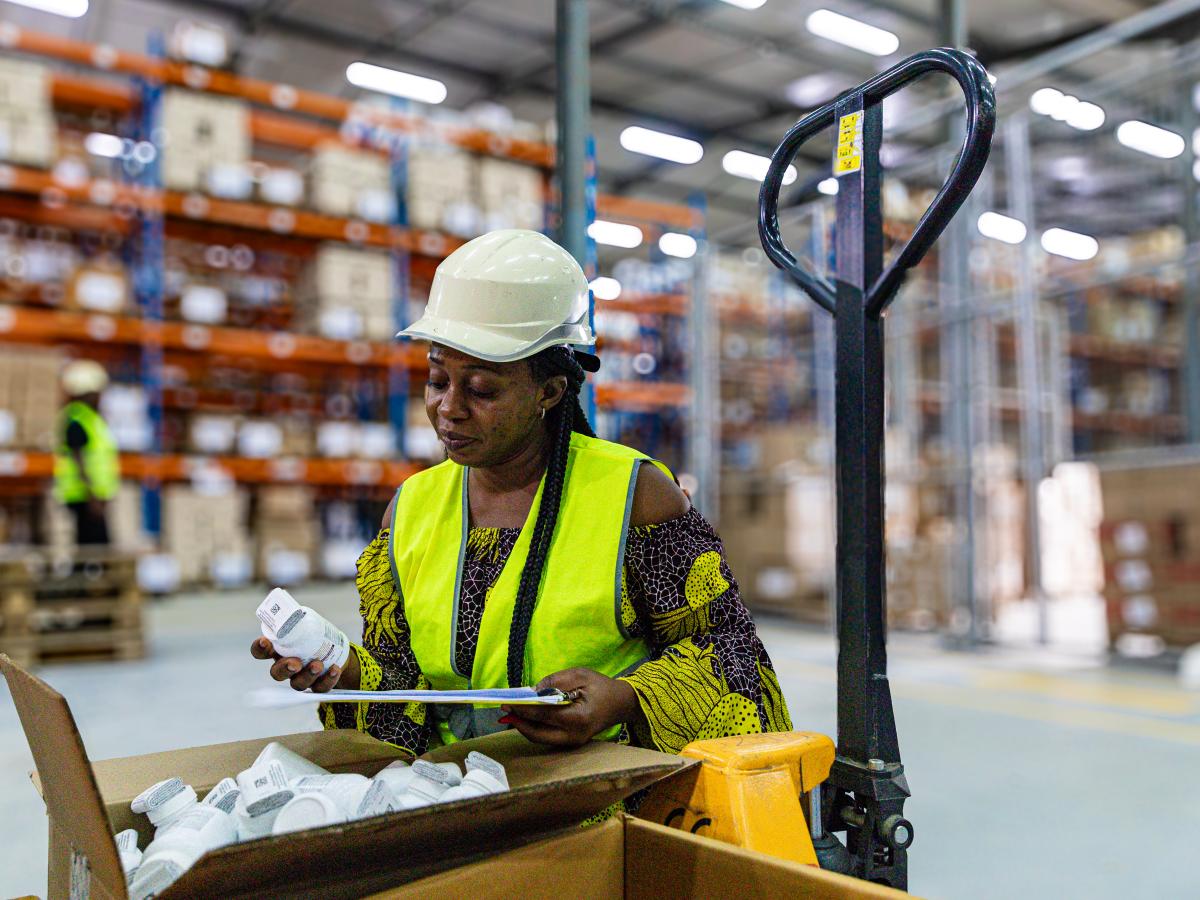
(642, 395)
(46, 326)
(141, 467)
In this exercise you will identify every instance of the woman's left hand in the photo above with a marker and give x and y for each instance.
(601, 702)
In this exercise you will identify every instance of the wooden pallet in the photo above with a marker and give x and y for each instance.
(85, 605)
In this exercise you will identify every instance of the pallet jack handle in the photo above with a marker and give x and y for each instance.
(866, 789)
(981, 123)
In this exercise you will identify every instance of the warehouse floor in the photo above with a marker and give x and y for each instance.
(1114, 815)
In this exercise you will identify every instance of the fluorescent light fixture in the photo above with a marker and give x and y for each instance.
(752, 166)
(746, 4)
(1085, 116)
(100, 144)
(852, 33)
(1070, 244)
(1150, 139)
(670, 147)
(615, 234)
(72, 9)
(828, 186)
(813, 90)
(396, 83)
(674, 243)
(1001, 228)
(606, 288)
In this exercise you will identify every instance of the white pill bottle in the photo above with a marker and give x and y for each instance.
(298, 631)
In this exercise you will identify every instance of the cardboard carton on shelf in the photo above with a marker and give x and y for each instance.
(438, 179)
(28, 137)
(339, 176)
(24, 85)
(511, 195)
(100, 285)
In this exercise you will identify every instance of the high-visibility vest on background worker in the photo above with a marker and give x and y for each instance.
(100, 458)
(578, 620)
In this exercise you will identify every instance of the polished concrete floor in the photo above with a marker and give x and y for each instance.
(1034, 774)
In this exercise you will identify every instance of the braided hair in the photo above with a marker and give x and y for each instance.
(566, 417)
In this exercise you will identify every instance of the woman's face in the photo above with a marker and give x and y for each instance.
(485, 413)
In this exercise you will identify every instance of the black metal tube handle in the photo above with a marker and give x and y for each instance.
(981, 123)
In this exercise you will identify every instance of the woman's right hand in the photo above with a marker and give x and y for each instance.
(291, 669)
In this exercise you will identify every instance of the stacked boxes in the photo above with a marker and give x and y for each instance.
(442, 191)
(28, 134)
(203, 134)
(203, 529)
(351, 183)
(29, 397)
(347, 294)
(1150, 540)
(288, 533)
(511, 195)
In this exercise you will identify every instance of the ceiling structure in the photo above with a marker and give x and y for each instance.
(728, 77)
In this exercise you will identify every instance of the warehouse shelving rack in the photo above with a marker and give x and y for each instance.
(98, 77)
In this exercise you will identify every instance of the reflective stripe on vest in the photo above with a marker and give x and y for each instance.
(100, 458)
(577, 620)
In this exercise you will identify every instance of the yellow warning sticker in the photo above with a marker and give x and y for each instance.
(848, 156)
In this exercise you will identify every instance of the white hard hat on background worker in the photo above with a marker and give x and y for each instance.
(84, 376)
(506, 296)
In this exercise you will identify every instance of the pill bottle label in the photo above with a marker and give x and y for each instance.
(292, 621)
(224, 796)
(194, 820)
(277, 609)
(127, 840)
(379, 799)
(312, 782)
(426, 769)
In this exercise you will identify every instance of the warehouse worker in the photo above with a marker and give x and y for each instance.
(538, 553)
(86, 465)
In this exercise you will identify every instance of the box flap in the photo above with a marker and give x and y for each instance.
(68, 785)
(555, 790)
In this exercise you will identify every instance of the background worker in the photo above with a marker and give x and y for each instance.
(87, 470)
(538, 553)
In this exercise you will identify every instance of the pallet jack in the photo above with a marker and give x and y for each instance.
(747, 788)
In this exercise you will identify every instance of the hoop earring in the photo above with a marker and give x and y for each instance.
(542, 413)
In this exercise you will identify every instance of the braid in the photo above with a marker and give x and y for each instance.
(566, 417)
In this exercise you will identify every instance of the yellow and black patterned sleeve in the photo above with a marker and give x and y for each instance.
(708, 675)
(385, 659)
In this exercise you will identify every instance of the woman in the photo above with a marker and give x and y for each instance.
(537, 553)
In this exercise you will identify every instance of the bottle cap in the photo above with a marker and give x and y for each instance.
(466, 790)
(224, 796)
(156, 795)
(167, 812)
(155, 875)
(477, 762)
(310, 809)
(396, 778)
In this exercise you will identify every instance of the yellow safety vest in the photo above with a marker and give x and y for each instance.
(578, 619)
(100, 458)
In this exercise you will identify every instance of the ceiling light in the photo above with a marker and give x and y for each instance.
(398, 84)
(746, 4)
(670, 147)
(615, 234)
(100, 144)
(752, 166)
(828, 186)
(813, 90)
(1070, 244)
(1150, 139)
(852, 33)
(1001, 228)
(605, 288)
(1085, 116)
(1045, 101)
(72, 9)
(674, 243)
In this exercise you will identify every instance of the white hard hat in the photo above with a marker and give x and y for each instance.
(84, 376)
(505, 296)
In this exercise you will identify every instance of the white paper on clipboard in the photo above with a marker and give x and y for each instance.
(276, 698)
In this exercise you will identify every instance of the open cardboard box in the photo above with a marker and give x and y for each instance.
(632, 858)
(553, 791)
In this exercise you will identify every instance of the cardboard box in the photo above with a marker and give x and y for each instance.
(553, 791)
(632, 858)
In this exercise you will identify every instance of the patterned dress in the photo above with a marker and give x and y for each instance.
(707, 676)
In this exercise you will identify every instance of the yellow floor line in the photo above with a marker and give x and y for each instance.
(987, 700)
(1165, 702)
